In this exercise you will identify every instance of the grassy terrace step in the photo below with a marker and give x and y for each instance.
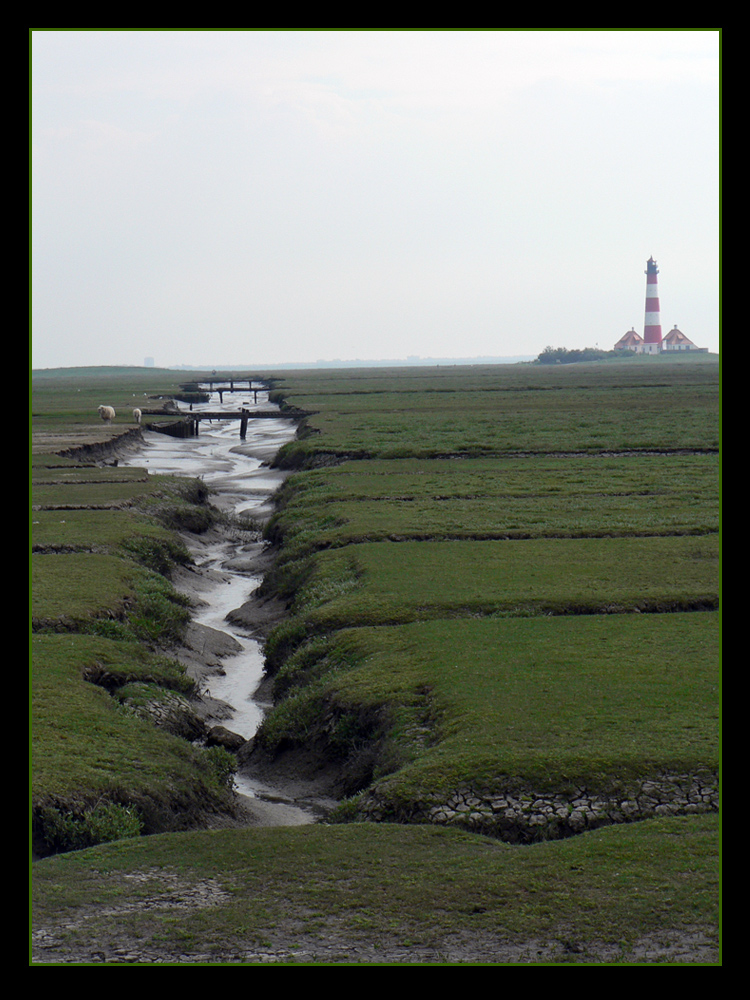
(115, 511)
(547, 703)
(76, 474)
(114, 532)
(89, 748)
(105, 595)
(80, 586)
(73, 486)
(82, 485)
(394, 582)
(89, 494)
(554, 496)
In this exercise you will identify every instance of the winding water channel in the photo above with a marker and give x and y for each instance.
(242, 483)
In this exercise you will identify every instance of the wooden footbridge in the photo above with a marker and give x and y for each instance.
(187, 424)
(222, 384)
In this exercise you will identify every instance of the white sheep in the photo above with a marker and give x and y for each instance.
(107, 413)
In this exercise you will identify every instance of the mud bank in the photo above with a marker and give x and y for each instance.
(90, 447)
(227, 665)
(223, 648)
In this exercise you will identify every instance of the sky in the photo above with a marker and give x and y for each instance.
(216, 198)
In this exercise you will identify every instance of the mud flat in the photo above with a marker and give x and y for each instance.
(223, 650)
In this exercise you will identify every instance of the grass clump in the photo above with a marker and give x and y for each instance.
(106, 595)
(73, 830)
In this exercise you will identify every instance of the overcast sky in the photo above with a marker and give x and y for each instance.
(263, 197)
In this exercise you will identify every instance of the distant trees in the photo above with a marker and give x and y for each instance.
(562, 356)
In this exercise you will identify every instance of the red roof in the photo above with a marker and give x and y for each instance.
(630, 339)
(676, 336)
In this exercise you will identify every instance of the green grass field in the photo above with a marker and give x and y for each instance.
(642, 893)
(545, 701)
(384, 582)
(560, 496)
(619, 407)
(501, 579)
(103, 616)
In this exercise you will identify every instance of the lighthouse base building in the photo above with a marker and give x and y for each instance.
(674, 341)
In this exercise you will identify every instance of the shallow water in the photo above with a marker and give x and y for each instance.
(236, 469)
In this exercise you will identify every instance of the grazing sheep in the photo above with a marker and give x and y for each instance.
(107, 413)
(137, 415)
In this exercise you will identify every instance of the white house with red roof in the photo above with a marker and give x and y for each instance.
(676, 340)
(631, 341)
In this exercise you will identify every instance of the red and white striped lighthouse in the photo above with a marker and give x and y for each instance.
(652, 325)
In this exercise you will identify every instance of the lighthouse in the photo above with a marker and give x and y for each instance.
(652, 324)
